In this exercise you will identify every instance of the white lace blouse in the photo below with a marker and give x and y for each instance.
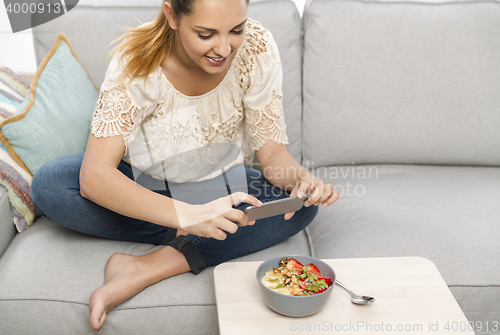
(180, 138)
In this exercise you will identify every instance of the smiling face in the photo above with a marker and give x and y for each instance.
(208, 38)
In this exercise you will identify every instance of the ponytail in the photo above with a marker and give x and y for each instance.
(145, 47)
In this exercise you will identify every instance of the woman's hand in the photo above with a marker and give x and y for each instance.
(215, 218)
(319, 192)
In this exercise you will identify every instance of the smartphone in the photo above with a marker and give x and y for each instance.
(276, 207)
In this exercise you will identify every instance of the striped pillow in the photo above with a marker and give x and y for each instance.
(13, 89)
(17, 182)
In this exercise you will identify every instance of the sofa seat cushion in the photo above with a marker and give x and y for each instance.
(49, 272)
(447, 214)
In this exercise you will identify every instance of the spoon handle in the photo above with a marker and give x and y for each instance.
(356, 299)
(344, 287)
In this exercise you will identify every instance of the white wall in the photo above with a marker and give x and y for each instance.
(17, 50)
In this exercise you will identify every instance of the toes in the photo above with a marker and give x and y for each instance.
(97, 312)
(102, 321)
(97, 323)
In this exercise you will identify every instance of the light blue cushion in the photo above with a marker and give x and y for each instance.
(55, 120)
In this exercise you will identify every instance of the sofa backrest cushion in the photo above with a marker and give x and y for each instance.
(401, 82)
(93, 24)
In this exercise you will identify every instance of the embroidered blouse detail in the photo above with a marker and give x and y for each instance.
(114, 113)
(159, 123)
(267, 123)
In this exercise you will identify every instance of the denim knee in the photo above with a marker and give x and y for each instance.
(38, 185)
(53, 179)
(306, 215)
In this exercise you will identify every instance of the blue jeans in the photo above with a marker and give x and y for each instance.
(56, 193)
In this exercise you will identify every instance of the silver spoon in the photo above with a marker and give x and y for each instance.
(356, 299)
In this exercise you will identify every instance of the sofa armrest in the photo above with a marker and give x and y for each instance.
(7, 228)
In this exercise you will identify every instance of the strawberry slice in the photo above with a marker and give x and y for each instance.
(327, 280)
(312, 268)
(309, 289)
(321, 290)
(297, 266)
(303, 285)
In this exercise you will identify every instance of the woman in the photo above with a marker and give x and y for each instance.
(200, 74)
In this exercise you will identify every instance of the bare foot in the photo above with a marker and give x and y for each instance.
(127, 275)
(124, 278)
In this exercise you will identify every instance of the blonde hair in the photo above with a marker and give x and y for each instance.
(147, 46)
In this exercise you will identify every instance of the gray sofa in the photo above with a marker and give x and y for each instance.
(395, 103)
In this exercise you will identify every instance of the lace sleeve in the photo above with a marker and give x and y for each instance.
(264, 118)
(267, 123)
(114, 114)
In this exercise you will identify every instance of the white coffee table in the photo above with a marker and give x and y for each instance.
(411, 297)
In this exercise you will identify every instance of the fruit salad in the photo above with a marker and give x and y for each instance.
(293, 278)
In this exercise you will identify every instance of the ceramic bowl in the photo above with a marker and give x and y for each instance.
(295, 306)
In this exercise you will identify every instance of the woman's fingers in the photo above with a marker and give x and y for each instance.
(303, 188)
(216, 218)
(237, 216)
(334, 197)
(226, 223)
(231, 219)
(295, 189)
(217, 228)
(239, 197)
(218, 234)
(327, 193)
(315, 194)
